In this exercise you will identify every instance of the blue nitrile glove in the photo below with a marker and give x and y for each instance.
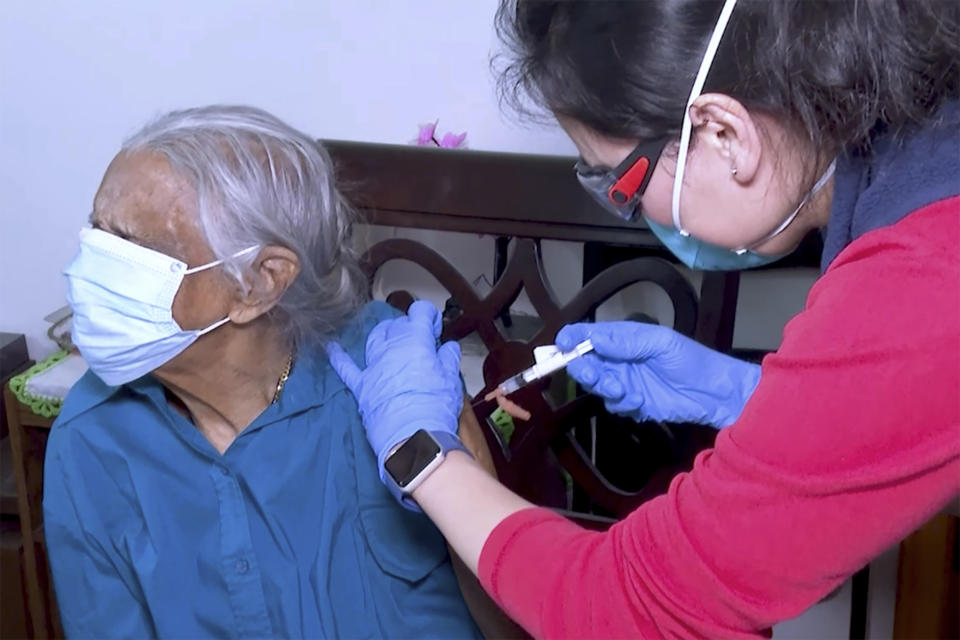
(649, 372)
(408, 384)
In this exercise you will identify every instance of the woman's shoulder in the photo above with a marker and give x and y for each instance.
(353, 335)
(97, 417)
(896, 288)
(374, 312)
(921, 247)
(83, 401)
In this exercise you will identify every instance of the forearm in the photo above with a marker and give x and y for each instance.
(466, 504)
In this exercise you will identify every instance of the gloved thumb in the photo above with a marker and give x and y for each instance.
(423, 312)
(449, 356)
(627, 341)
(571, 335)
(344, 365)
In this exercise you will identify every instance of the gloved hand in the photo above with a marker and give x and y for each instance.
(649, 372)
(408, 384)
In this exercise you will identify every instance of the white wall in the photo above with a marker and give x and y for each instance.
(76, 77)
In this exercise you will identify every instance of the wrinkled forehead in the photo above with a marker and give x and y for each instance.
(142, 199)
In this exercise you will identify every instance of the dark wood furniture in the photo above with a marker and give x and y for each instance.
(531, 198)
(13, 610)
(928, 582)
(28, 439)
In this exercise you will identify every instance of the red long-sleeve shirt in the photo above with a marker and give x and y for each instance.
(850, 441)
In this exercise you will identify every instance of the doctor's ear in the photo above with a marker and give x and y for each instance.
(269, 276)
(723, 124)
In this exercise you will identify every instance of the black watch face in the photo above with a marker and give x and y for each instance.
(411, 458)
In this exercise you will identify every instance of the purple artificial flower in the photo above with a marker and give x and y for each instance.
(425, 137)
(453, 140)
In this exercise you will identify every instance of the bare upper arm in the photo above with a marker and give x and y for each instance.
(471, 435)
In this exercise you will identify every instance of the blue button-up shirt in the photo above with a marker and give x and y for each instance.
(151, 532)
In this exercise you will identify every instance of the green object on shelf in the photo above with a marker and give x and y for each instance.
(46, 407)
(504, 424)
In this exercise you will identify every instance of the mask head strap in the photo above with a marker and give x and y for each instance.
(694, 94)
(786, 223)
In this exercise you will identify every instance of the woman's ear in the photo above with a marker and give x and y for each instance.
(267, 279)
(725, 126)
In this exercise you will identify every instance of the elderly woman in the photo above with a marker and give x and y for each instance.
(209, 475)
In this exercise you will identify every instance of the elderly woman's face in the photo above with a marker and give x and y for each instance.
(141, 199)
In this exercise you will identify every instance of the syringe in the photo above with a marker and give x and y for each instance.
(549, 359)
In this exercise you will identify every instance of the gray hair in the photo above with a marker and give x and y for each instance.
(261, 182)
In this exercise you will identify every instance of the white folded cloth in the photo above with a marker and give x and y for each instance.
(55, 382)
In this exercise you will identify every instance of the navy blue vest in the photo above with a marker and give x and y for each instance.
(900, 174)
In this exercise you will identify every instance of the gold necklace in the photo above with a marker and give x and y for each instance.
(283, 378)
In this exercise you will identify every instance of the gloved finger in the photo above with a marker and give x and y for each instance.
(629, 404)
(345, 367)
(619, 409)
(449, 356)
(423, 312)
(583, 371)
(609, 387)
(593, 377)
(571, 335)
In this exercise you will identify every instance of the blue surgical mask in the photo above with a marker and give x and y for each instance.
(122, 300)
(698, 254)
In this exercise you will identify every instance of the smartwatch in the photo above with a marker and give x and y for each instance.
(413, 460)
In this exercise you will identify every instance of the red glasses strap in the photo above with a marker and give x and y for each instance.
(634, 172)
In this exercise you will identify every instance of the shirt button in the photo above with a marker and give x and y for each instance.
(242, 566)
(224, 471)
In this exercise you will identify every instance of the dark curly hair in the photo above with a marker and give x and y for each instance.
(836, 69)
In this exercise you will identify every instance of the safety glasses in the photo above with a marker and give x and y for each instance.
(619, 190)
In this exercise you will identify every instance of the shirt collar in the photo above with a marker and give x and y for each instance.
(311, 382)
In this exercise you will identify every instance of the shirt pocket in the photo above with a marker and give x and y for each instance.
(404, 544)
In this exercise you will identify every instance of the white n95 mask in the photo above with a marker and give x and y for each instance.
(122, 300)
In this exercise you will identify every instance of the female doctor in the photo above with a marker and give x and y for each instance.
(732, 129)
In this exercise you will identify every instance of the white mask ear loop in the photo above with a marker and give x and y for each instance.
(783, 225)
(694, 94)
(210, 265)
(218, 323)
